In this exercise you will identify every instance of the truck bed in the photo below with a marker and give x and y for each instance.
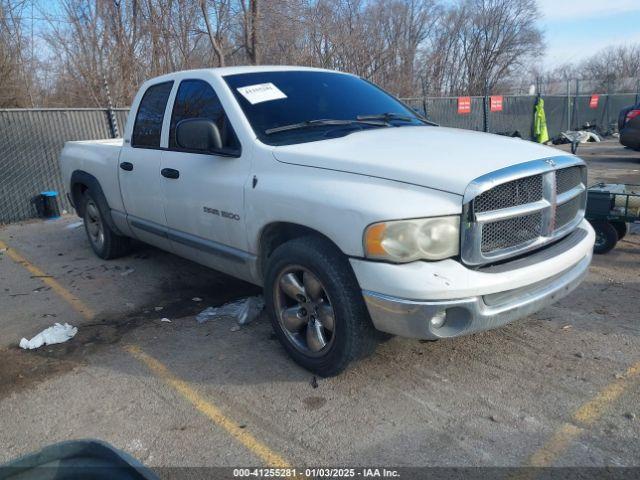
(115, 142)
(100, 159)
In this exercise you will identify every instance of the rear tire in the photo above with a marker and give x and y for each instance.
(621, 229)
(103, 240)
(606, 236)
(304, 278)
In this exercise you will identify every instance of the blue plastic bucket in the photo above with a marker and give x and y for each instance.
(47, 204)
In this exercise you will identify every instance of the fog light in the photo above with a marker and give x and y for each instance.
(438, 319)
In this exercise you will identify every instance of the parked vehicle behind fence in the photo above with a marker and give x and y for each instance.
(629, 126)
(356, 215)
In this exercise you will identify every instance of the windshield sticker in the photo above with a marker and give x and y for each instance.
(262, 92)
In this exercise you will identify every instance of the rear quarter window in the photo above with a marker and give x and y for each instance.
(148, 124)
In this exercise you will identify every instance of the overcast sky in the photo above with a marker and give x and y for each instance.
(576, 28)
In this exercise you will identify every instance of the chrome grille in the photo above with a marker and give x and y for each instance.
(567, 178)
(513, 231)
(517, 192)
(568, 211)
(520, 208)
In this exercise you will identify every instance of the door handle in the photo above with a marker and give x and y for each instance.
(170, 173)
(128, 166)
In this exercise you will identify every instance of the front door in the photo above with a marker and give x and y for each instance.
(204, 201)
(140, 166)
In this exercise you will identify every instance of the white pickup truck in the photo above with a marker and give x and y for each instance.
(355, 214)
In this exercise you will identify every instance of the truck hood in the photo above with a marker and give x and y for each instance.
(435, 157)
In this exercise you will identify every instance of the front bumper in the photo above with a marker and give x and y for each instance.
(565, 266)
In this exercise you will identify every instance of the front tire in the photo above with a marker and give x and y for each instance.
(316, 306)
(103, 240)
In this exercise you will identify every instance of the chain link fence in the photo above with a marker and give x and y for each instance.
(563, 113)
(30, 146)
(31, 140)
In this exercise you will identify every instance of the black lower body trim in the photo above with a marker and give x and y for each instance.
(193, 241)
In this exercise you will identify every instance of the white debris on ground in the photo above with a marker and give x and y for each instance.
(128, 271)
(73, 225)
(56, 334)
(166, 320)
(242, 311)
(196, 299)
(580, 136)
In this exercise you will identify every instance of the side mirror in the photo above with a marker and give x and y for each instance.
(199, 134)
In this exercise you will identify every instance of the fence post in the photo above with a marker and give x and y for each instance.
(111, 114)
(568, 104)
(575, 106)
(485, 106)
(485, 113)
(606, 112)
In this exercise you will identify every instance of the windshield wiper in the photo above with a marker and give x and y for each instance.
(318, 123)
(388, 116)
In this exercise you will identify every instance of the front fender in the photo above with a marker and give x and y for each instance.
(337, 204)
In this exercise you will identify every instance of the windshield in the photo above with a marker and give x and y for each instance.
(298, 99)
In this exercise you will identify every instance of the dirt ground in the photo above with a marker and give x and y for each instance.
(560, 388)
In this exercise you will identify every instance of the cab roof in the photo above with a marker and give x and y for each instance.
(225, 71)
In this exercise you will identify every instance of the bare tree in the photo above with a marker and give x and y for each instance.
(409, 47)
(482, 43)
(251, 29)
(611, 70)
(16, 75)
(79, 48)
(405, 26)
(122, 41)
(616, 68)
(217, 33)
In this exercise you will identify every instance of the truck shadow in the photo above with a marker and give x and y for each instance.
(214, 353)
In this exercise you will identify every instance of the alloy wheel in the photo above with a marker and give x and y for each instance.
(304, 310)
(93, 221)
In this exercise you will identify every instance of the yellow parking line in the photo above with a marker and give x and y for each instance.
(585, 416)
(270, 457)
(592, 410)
(65, 294)
(558, 444)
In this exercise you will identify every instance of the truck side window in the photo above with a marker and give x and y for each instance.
(197, 99)
(148, 124)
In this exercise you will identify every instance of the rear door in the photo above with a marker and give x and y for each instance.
(204, 206)
(139, 168)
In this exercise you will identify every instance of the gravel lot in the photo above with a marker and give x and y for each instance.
(493, 399)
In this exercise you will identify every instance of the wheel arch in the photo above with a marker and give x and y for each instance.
(82, 181)
(275, 234)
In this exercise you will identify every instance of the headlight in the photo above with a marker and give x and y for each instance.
(410, 240)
